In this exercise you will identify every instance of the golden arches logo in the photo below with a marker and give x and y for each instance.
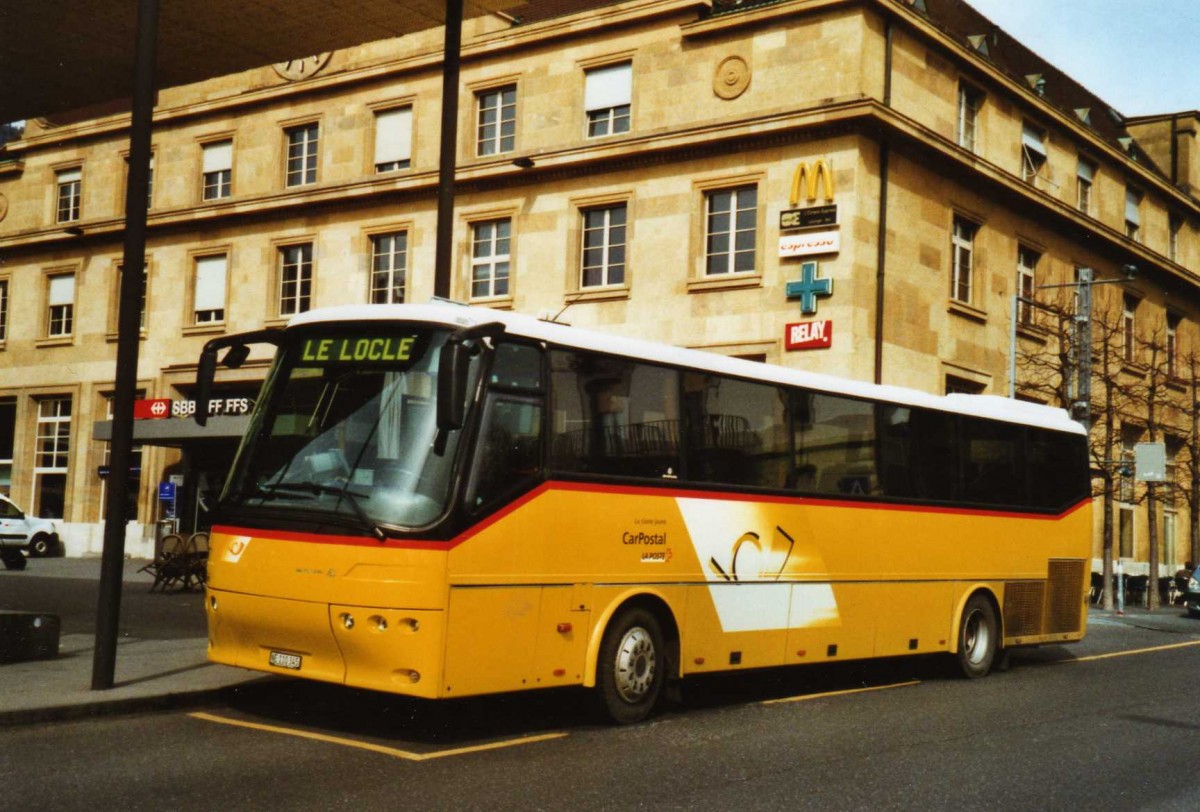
(806, 178)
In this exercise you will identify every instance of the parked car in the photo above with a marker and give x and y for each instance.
(1191, 598)
(21, 532)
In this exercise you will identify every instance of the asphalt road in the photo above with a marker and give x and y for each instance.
(1111, 723)
(70, 588)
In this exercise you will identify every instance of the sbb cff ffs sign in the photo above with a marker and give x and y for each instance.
(809, 335)
(161, 408)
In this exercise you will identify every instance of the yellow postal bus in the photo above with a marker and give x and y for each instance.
(443, 501)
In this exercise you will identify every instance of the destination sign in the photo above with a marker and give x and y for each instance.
(391, 350)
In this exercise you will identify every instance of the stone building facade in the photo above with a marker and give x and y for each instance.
(682, 171)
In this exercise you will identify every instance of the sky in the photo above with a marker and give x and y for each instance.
(1139, 56)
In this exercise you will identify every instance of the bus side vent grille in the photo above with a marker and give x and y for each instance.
(1023, 608)
(1064, 597)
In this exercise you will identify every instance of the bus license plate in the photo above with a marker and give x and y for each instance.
(285, 660)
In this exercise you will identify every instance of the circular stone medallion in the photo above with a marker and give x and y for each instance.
(732, 77)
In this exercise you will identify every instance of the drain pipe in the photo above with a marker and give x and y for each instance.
(881, 239)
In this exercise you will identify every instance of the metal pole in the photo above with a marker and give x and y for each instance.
(1082, 407)
(108, 610)
(446, 163)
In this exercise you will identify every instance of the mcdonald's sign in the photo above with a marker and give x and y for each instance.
(805, 179)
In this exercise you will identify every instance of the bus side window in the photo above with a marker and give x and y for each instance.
(835, 445)
(509, 454)
(612, 416)
(736, 431)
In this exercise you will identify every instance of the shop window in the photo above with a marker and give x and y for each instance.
(52, 454)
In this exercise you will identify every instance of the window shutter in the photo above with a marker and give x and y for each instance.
(218, 157)
(70, 175)
(210, 283)
(62, 289)
(1031, 139)
(1086, 171)
(393, 135)
(1132, 200)
(608, 87)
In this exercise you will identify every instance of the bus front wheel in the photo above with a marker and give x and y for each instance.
(978, 637)
(631, 669)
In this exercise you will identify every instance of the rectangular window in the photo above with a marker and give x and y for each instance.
(730, 230)
(3, 310)
(217, 169)
(603, 257)
(834, 440)
(1085, 176)
(1172, 359)
(737, 431)
(52, 453)
(1027, 260)
(389, 267)
(496, 121)
(295, 279)
(969, 102)
(962, 247)
(1174, 226)
(607, 99)
(208, 305)
(1033, 152)
(143, 282)
(302, 143)
(1133, 214)
(393, 139)
(8, 436)
(490, 258)
(1129, 329)
(612, 416)
(70, 194)
(61, 302)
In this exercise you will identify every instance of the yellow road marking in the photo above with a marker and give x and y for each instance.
(807, 697)
(1132, 651)
(375, 748)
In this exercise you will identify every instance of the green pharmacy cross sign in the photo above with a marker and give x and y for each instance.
(809, 288)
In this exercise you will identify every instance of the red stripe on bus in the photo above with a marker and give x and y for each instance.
(627, 490)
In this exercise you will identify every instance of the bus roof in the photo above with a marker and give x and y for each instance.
(455, 315)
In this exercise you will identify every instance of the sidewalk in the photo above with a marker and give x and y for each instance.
(150, 674)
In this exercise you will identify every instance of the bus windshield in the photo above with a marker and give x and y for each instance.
(346, 430)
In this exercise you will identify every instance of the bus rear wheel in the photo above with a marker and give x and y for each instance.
(978, 637)
(631, 670)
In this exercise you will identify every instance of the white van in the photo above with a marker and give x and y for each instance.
(38, 537)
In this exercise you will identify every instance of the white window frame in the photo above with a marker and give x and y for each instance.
(216, 169)
(1027, 261)
(718, 263)
(970, 101)
(608, 99)
(1033, 152)
(393, 139)
(53, 433)
(303, 154)
(1085, 178)
(608, 257)
(496, 110)
(962, 259)
(69, 196)
(1129, 305)
(491, 258)
(210, 280)
(1133, 214)
(60, 308)
(389, 267)
(294, 292)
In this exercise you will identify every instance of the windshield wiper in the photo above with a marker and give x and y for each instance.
(286, 489)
